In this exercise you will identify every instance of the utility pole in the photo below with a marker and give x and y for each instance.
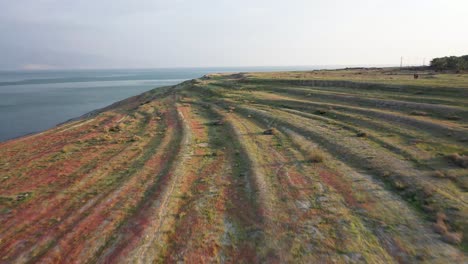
(401, 62)
(424, 62)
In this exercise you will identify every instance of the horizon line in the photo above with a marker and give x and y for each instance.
(328, 66)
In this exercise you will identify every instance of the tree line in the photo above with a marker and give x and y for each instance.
(450, 63)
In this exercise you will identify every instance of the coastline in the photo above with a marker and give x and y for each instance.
(248, 164)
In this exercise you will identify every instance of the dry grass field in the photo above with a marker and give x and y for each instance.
(342, 166)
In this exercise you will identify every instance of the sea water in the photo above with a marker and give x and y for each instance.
(33, 101)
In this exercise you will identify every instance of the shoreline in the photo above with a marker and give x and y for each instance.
(316, 81)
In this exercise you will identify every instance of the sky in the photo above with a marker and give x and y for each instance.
(70, 34)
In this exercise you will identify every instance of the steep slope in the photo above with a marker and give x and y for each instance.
(343, 166)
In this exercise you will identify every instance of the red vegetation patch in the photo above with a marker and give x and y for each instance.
(339, 184)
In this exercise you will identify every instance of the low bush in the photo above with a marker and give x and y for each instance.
(450, 63)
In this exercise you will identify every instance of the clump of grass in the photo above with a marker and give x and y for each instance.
(453, 237)
(441, 228)
(214, 153)
(453, 118)
(23, 196)
(385, 174)
(315, 156)
(219, 122)
(114, 129)
(6, 201)
(444, 175)
(138, 148)
(438, 174)
(105, 138)
(451, 176)
(67, 149)
(361, 134)
(271, 131)
(146, 102)
(418, 113)
(428, 191)
(400, 185)
(135, 138)
(460, 160)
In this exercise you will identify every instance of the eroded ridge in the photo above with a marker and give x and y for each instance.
(311, 167)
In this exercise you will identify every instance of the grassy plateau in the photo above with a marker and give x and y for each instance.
(337, 166)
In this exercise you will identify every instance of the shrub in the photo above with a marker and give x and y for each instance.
(450, 63)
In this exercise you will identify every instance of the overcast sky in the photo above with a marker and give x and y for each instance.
(67, 34)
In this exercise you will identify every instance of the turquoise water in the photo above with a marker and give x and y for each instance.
(33, 101)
